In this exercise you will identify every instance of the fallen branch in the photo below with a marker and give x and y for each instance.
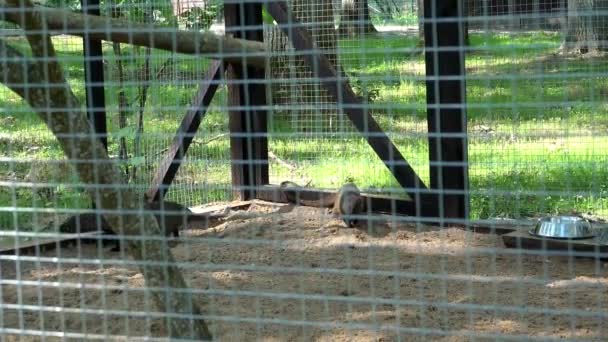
(205, 44)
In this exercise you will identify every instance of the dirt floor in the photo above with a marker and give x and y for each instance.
(300, 276)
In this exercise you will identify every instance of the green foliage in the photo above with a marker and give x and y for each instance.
(516, 170)
(266, 17)
(66, 4)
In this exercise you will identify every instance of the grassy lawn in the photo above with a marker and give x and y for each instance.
(536, 121)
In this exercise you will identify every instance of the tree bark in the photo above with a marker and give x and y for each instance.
(205, 44)
(39, 80)
(586, 32)
(420, 11)
(355, 20)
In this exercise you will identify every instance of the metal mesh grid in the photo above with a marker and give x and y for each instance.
(536, 138)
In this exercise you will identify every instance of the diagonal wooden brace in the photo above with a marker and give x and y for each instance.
(341, 91)
(185, 133)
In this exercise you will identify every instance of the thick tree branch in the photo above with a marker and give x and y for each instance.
(205, 44)
(40, 81)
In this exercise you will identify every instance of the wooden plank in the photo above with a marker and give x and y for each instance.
(499, 227)
(246, 101)
(447, 122)
(376, 203)
(210, 209)
(505, 226)
(185, 133)
(9, 246)
(521, 239)
(94, 80)
(352, 105)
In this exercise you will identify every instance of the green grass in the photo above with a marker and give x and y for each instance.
(536, 123)
(405, 18)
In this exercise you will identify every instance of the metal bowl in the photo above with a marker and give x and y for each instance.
(563, 227)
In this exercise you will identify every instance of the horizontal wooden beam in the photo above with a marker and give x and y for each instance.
(207, 44)
(37, 245)
(306, 196)
(588, 247)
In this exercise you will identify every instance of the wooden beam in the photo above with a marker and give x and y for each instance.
(246, 102)
(521, 239)
(332, 79)
(35, 246)
(185, 133)
(94, 80)
(447, 121)
(376, 203)
(93, 73)
(204, 43)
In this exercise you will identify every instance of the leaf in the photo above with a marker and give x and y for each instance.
(266, 17)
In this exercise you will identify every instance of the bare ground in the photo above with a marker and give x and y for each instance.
(301, 275)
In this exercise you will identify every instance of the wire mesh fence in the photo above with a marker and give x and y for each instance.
(461, 123)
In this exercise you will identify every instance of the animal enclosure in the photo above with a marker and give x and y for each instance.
(461, 122)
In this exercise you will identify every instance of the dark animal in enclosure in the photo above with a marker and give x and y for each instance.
(171, 216)
(87, 223)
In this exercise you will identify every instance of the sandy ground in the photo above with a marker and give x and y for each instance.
(301, 276)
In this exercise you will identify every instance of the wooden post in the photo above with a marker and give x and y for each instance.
(94, 81)
(93, 73)
(246, 102)
(447, 122)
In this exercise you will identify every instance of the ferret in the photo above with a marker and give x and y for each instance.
(170, 216)
(348, 202)
(86, 223)
(345, 203)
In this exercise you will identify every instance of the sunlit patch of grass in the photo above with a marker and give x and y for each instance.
(536, 144)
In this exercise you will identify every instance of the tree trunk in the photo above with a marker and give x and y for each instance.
(585, 31)
(420, 10)
(355, 20)
(40, 81)
(308, 105)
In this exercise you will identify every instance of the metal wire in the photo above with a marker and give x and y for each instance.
(535, 81)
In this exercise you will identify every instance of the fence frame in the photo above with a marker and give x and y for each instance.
(445, 199)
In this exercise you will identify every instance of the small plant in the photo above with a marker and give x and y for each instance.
(366, 91)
